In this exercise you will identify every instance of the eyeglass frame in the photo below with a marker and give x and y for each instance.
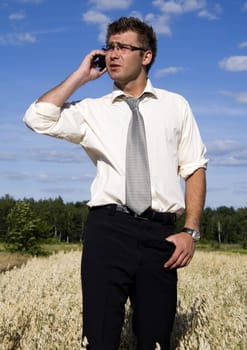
(121, 46)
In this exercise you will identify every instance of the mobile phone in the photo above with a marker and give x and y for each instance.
(99, 61)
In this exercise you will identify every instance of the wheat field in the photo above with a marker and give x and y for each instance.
(40, 305)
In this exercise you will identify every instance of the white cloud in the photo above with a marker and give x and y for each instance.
(227, 153)
(240, 97)
(45, 177)
(171, 7)
(234, 63)
(230, 161)
(17, 39)
(17, 16)
(98, 18)
(159, 23)
(220, 147)
(177, 7)
(244, 6)
(28, 38)
(168, 71)
(136, 14)
(221, 111)
(111, 5)
(193, 5)
(242, 45)
(95, 17)
(206, 14)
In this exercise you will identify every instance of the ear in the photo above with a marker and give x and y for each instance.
(147, 57)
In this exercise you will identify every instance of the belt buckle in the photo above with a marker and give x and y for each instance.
(148, 214)
(136, 216)
(141, 217)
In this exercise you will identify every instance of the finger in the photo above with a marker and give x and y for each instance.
(180, 261)
(173, 259)
(184, 262)
(182, 254)
(93, 53)
(180, 258)
(187, 259)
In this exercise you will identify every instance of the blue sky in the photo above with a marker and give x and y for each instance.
(202, 54)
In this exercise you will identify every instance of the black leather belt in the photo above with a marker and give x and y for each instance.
(149, 214)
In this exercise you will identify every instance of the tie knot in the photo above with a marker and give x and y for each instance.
(133, 102)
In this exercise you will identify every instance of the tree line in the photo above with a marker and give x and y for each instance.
(25, 223)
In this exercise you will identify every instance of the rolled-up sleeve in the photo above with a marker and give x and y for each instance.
(41, 116)
(46, 118)
(192, 151)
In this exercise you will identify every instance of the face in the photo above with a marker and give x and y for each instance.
(125, 65)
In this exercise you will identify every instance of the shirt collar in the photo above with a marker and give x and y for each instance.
(117, 93)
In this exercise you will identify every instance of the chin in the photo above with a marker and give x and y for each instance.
(115, 76)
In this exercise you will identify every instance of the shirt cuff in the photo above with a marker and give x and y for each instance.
(186, 170)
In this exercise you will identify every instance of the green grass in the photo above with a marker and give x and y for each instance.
(61, 246)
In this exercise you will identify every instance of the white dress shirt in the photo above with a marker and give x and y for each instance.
(175, 148)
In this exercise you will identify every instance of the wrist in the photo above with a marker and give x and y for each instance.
(195, 234)
(79, 78)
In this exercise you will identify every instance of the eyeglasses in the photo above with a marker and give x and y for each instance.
(123, 48)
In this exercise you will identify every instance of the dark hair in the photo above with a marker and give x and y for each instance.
(146, 34)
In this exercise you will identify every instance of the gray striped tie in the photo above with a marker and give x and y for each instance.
(138, 188)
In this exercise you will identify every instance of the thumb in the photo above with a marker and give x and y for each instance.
(170, 238)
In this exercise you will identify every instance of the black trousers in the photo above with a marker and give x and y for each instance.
(123, 257)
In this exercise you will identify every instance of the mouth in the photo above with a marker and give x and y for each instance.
(114, 67)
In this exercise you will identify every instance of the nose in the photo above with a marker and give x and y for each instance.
(115, 52)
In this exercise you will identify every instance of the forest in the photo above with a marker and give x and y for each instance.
(54, 219)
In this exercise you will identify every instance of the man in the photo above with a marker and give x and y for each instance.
(130, 252)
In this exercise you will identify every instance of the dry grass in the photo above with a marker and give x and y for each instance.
(40, 305)
(212, 306)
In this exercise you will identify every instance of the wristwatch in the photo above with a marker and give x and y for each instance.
(194, 233)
